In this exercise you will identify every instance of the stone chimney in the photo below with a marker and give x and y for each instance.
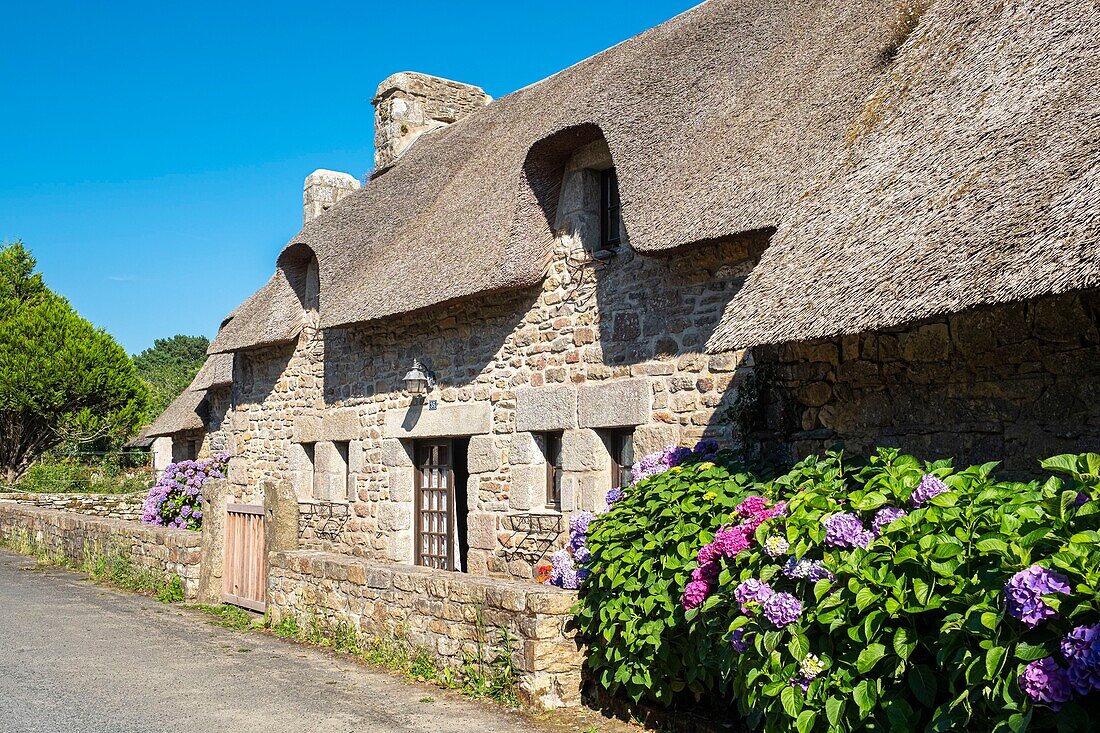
(409, 104)
(323, 189)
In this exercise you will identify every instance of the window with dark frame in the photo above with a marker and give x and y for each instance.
(620, 446)
(610, 210)
(551, 448)
(343, 449)
(309, 450)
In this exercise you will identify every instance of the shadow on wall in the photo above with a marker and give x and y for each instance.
(259, 371)
(464, 344)
(1013, 383)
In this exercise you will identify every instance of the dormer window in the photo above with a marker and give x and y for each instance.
(610, 212)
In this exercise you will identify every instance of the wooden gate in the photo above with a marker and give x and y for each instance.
(244, 567)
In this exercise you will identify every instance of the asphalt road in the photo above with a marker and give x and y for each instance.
(79, 657)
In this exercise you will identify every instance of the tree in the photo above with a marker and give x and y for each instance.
(168, 367)
(61, 378)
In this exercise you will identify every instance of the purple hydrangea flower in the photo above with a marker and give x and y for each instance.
(845, 530)
(578, 525)
(1046, 682)
(1025, 590)
(801, 683)
(176, 499)
(812, 570)
(649, 465)
(563, 571)
(613, 496)
(752, 591)
(706, 447)
(670, 457)
(738, 641)
(1082, 646)
(1083, 680)
(885, 516)
(929, 487)
(782, 609)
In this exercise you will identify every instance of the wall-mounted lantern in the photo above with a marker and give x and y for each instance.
(419, 379)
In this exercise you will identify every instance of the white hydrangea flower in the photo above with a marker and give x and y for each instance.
(811, 666)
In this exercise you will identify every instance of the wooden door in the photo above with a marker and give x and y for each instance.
(244, 565)
(435, 505)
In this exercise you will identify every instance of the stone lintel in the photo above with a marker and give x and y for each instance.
(417, 421)
(546, 408)
(307, 429)
(340, 424)
(618, 403)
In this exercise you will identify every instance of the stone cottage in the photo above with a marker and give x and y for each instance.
(777, 225)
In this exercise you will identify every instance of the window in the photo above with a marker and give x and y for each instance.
(340, 470)
(308, 489)
(610, 211)
(620, 446)
(551, 449)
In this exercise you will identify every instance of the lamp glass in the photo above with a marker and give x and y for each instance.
(416, 381)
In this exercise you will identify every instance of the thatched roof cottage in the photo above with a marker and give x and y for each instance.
(782, 225)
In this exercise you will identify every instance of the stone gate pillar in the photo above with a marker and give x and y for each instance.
(280, 516)
(216, 495)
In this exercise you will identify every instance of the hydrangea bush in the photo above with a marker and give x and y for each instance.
(891, 595)
(176, 499)
(641, 554)
(931, 600)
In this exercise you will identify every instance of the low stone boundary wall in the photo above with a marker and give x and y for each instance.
(450, 615)
(113, 506)
(77, 536)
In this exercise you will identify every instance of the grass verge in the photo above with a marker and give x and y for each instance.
(103, 566)
(481, 675)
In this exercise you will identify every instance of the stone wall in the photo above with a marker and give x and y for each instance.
(1012, 383)
(77, 537)
(450, 615)
(113, 506)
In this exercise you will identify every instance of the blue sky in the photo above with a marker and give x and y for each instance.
(152, 154)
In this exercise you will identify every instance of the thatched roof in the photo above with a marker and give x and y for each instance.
(271, 315)
(185, 412)
(182, 414)
(972, 177)
(216, 371)
(717, 121)
(142, 440)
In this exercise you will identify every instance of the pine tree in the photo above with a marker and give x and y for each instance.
(61, 378)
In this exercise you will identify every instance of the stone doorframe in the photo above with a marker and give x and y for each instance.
(403, 427)
(280, 520)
